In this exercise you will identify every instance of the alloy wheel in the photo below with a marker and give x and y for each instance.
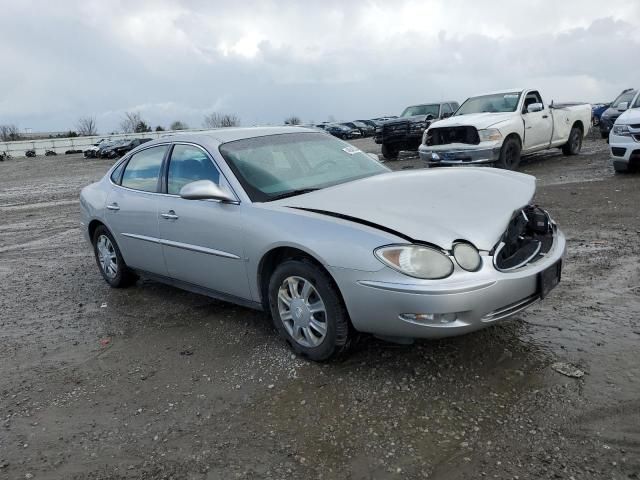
(302, 311)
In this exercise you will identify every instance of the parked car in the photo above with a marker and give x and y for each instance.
(71, 152)
(30, 153)
(364, 129)
(50, 153)
(104, 150)
(498, 128)
(93, 149)
(624, 140)
(121, 147)
(5, 156)
(322, 236)
(342, 131)
(597, 111)
(619, 105)
(405, 132)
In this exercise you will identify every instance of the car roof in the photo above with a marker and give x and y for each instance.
(223, 135)
(504, 90)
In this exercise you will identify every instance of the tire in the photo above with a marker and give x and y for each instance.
(621, 167)
(390, 151)
(510, 154)
(574, 144)
(104, 244)
(318, 335)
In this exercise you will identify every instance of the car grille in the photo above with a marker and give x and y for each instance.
(528, 238)
(618, 151)
(447, 135)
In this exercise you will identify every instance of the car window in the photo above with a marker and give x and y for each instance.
(493, 103)
(624, 97)
(531, 98)
(117, 173)
(141, 173)
(446, 109)
(188, 164)
(637, 102)
(421, 110)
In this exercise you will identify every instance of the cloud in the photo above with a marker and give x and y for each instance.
(265, 60)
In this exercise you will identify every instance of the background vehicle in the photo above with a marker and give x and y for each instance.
(364, 129)
(497, 128)
(405, 132)
(91, 151)
(342, 131)
(49, 153)
(30, 153)
(596, 112)
(293, 221)
(121, 147)
(608, 118)
(624, 140)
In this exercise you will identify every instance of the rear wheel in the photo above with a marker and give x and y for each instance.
(574, 144)
(390, 151)
(307, 310)
(509, 154)
(109, 259)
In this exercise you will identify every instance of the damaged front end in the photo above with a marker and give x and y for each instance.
(528, 238)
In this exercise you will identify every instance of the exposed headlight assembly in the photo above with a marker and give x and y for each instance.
(416, 261)
(489, 135)
(467, 256)
(622, 130)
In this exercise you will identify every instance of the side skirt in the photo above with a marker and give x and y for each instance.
(190, 287)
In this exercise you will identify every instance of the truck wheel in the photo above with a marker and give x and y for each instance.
(509, 154)
(390, 152)
(574, 144)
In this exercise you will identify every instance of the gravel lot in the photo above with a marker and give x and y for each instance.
(154, 382)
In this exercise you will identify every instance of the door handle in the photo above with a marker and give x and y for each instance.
(545, 116)
(170, 215)
(114, 206)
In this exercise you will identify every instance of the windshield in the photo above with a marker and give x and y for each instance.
(422, 110)
(499, 102)
(272, 166)
(624, 97)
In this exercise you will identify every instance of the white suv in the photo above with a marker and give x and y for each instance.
(624, 139)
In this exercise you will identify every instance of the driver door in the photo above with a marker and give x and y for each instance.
(538, 126)
(202, 240)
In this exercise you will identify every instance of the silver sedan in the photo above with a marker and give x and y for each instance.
(322, 236)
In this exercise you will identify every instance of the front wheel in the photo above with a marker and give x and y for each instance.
(307, 310)
(390, 151)
(509, 154)
(574, 144)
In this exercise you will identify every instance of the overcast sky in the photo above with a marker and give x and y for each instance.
(265, 60)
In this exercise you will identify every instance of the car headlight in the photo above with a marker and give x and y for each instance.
(467, 256)
(489, 135)
(622, 130)
(416, 261)
(418, 126)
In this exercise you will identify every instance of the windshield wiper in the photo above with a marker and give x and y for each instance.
(293, 193)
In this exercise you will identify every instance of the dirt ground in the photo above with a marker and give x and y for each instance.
(153, 382)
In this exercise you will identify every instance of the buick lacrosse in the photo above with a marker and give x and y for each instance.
(322, 236)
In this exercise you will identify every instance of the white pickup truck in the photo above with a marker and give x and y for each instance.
(498, 128)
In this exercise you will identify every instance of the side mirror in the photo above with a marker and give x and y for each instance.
(622, 106)
(534, 107)
(205, 190)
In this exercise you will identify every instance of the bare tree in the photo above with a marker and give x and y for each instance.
(130, 122)
(178, 125)
(292, 120)
(221, 120)
(86, 126)
(9, 133)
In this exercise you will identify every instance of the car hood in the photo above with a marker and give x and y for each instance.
(411, 119)
(437, 206)
(478, 120)
(630, 116)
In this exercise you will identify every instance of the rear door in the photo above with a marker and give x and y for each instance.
(132, 210)
(538, 126)
(202, 239)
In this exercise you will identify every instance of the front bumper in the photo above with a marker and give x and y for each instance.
(459, 154)
(625, 149)
(464, 302)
